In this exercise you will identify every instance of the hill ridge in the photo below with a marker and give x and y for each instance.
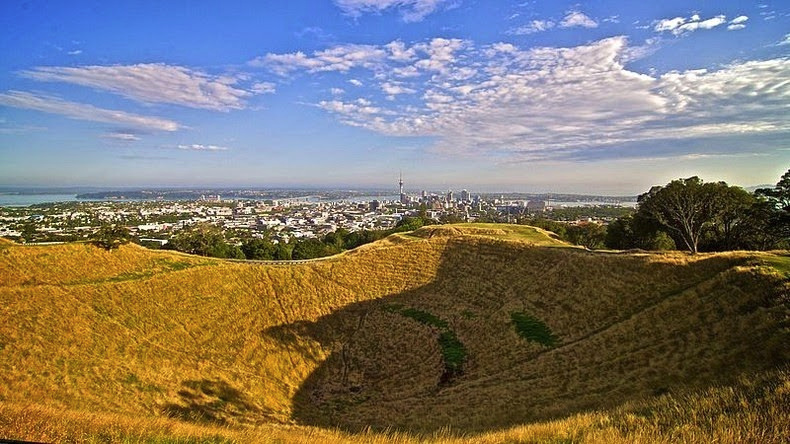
(315, 344)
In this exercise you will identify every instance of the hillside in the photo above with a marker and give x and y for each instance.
(472, 327)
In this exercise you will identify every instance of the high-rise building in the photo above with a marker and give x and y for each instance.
(465, 196)
(403, 198)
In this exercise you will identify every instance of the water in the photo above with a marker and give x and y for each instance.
(23, 200)
(560, 204)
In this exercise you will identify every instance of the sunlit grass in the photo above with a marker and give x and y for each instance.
(118, 345)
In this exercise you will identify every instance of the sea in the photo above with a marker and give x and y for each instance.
(24, 200)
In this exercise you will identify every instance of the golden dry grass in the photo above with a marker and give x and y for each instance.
(148, 345)
(753, 410)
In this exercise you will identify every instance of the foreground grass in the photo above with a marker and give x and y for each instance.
(166, 344)
(754, 410)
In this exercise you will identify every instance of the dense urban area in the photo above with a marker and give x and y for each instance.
(288, 226)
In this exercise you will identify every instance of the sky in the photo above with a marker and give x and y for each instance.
(597, 97)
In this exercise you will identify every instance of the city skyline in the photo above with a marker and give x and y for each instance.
(568, 97)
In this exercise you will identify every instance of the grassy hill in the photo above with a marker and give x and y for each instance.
(468, 329)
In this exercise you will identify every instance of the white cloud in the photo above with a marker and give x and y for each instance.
(75, 52)
(669, 24)
(680, 25)
(396, 59)
(555, 102)
(571, 19)
(406, 71)
(151, 83)
(122, 136)
(737, 23)
(393, 89)
(441, 53)
(577, 18)
(785, 41)
(81, 111)
(411, 10)
(356, 113)
(263, 88)
(533, 27)
(338, 58)
(337, 91)
(399, 52)
(503, 47)
(199, 147)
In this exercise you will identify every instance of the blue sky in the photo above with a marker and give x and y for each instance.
(592, 97)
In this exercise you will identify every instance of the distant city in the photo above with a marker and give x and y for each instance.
(153, 216)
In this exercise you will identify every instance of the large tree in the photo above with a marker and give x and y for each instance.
(111, 236)
(685, 207)
(774, 205)
(731, 205)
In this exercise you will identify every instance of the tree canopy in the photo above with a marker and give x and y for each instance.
(709, 216)
(111, 236)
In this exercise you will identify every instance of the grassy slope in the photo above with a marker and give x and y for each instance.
(135, 332)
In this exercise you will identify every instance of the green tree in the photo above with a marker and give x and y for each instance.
(684, 207)
(412, 223)
(774, 204)
(205, 239)
(258, 249)
(590, 235)
(636, 231)
(309, 249)
(336, 240)
(111, 236)
(732, 206)
(282, 252)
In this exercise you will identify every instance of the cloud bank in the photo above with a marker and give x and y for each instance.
(410, 10)
(552, 103)
(154, 83)
(680, 25)
(81, 111)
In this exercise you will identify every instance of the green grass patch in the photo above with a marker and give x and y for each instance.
(532, 329)
(453, 353)
(453, 350)
(779, 263)
(423, 317)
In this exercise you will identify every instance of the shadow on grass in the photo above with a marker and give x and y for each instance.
(212, 401)
(388, 368)
(387, 365)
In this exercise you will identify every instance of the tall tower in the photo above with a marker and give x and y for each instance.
(402, 196)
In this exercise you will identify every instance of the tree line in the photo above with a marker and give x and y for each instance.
(692, 215)
(209, 240)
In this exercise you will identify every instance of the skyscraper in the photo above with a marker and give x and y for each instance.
(403, 199)
(465, 196)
